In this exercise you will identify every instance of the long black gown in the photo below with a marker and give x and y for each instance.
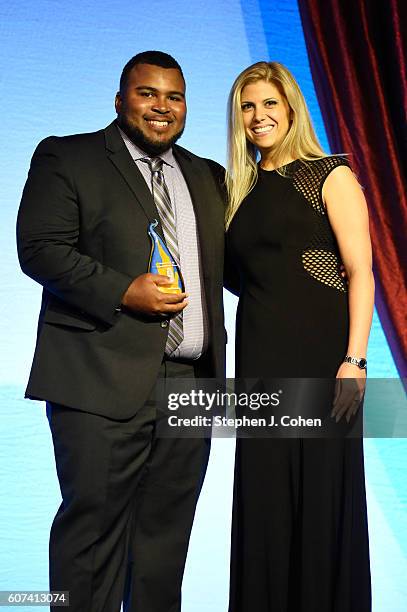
(299, 534)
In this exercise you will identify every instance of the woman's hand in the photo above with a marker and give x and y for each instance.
(349, 391)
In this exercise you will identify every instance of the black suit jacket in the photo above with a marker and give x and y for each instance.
(82, 234)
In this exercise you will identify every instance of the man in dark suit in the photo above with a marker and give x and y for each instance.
(107, 332)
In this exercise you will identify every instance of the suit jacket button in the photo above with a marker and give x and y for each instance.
(164, 324)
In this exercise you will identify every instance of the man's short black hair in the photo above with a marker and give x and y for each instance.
(155, 58)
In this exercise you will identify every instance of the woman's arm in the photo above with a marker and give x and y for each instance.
(347, 212)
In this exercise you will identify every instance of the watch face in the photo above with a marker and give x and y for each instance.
(362, 364)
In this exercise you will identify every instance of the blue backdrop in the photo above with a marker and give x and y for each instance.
(60, 63)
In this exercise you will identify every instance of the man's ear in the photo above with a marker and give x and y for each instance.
(118, 102)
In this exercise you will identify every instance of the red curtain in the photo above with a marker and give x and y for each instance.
(358, 63)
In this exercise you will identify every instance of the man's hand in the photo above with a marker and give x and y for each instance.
(144, 296)
(342, 272)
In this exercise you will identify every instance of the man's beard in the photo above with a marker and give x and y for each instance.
(152, 147)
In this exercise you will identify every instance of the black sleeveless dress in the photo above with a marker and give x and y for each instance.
(299, 534)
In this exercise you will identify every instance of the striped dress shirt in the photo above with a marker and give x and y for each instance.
(195, 320)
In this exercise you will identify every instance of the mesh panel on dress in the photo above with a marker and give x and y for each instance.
(320, 257)
(323, 266)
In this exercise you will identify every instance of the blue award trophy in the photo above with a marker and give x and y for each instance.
(162, 262)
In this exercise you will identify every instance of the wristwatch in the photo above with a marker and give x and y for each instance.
(358, 361)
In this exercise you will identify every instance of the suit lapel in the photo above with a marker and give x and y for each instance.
(121, 158)
(197, 185)
(195, 179)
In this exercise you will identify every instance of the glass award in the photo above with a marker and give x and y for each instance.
(162, 262)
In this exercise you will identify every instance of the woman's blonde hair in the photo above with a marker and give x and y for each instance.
(300, 141)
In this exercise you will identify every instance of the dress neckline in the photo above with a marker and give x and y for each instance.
(279, 168)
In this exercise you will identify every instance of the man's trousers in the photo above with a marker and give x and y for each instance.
(129, 498)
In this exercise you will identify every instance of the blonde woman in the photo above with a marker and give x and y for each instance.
(300, 540)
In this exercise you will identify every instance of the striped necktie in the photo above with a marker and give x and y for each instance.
(162, 201)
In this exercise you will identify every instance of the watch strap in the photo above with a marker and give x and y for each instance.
(361, 362)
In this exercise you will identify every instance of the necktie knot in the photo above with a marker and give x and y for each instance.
(155, 163)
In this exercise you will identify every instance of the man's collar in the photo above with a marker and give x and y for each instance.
(137, 153)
